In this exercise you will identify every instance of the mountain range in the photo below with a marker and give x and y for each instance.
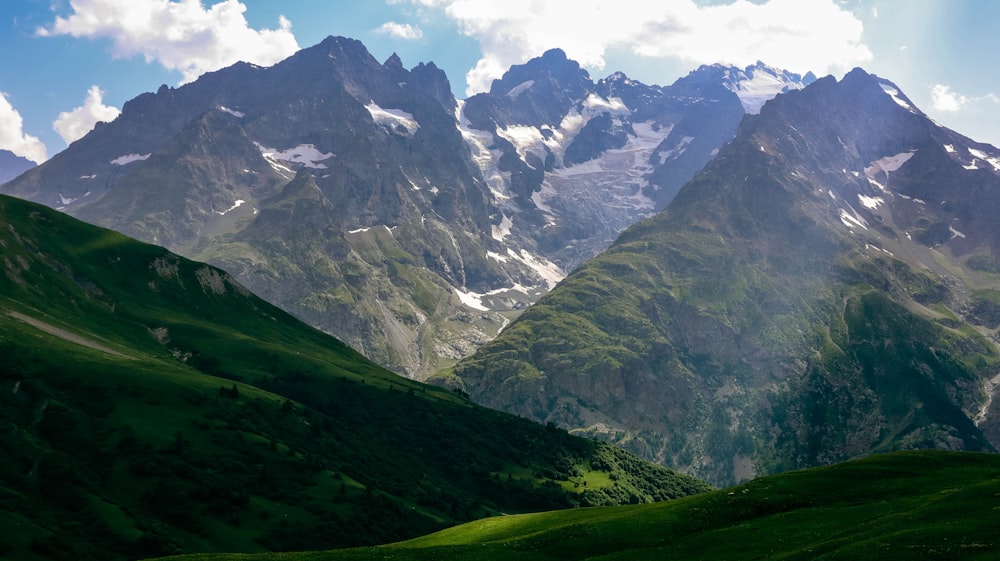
(826, 287)
(743, 273)
(366, 200)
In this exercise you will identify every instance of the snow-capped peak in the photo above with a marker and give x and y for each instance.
(758, 83)
(892, 90)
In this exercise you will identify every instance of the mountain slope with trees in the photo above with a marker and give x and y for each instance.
(152, 405)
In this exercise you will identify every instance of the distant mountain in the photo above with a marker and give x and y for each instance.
(12, 165)
(151, 405)
(364, 199)
(758, 83)
(826, 287)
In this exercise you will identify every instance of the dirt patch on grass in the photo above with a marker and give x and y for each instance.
(65, 335)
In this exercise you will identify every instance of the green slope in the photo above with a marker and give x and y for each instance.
(150, 405)
(903, 505)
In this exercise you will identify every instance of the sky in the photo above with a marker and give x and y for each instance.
(67, 64)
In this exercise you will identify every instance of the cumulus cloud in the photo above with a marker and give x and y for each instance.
(181, 35)
(943, 99)
(799, 35)
(400, 30)
(12, 135)
(72, 125)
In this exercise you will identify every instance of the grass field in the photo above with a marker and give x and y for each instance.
(898, 506)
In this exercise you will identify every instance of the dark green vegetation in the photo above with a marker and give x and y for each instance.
(782, 312)
(904, 505)
(150, 405)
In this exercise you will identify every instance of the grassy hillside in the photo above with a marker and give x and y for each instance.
(150, 405)
(903, 505)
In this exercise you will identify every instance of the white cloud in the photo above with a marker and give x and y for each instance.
(799, 35)
(400, 30)
(73, 125)
(180, 35)
(12, 135)
(943, 99)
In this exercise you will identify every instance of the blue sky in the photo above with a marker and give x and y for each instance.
(69, 63)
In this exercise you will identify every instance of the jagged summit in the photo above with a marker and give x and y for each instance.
(757, 83)
(432, 222)
(824, 288)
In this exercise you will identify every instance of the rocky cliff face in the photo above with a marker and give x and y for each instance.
(821, 290)
(368, 201)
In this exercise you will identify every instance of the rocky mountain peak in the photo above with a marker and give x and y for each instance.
(353, 193)
(825, 287)
(12, 165)
(393, 62)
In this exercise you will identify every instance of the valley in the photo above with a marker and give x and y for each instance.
(326, 310)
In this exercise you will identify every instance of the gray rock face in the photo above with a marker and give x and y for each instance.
(824, 288)
(365, 199)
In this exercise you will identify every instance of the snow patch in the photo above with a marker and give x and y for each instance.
(549, 271)
(676, 151)
(91, 176)
(496, 257)
(486, 159)
(896, 96)
(520, 88)
(877, 248)
(529, 140)
(392, 118)
(949, 148)
(597, 105)
(235, 206)
(541, 141)
(306, 155)
(590, 166)
(539, 198)
(759, 87)
(871, 202)
(360, 230)
(955, 233)
(234, 113)
(850, 220)
(503, 230)
(618, 178)
(993, 161)
(918, 201)
(472, 300)
(129, 158)
(886, 165)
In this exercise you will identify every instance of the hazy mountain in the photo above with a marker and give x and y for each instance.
(152, 405)
(364, 199)
(12, 165)
(826, 287)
